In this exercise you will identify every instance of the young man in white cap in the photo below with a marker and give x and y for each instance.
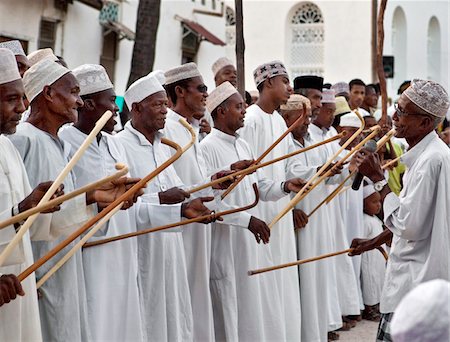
(241, 304)
(263, 125)
(54, 95)
(188, 93)
(417, 220)
(21, 58)
(163, 278)
(19, 320)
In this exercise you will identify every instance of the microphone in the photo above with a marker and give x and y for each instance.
(370, 146)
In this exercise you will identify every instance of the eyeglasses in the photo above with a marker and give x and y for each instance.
(399, 112)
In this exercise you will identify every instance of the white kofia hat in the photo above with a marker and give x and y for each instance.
(350, 120)
(296, 102)
(92, 78)
(14, 46)
(39, 55)
(368, 190)
(8, 67)
(341, 87)
(364, 113)
(141, 89)
(268, 70)
(221, 63)
(423, 314)
(328, 96)
(41, 74)
(220, 94)
(182, 72)
(429, 96)
(159, 74)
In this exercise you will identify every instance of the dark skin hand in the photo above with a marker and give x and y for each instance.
(109, 192)
(196, 208)
(205, 127)
(294, 185)
(260, 229)
(224, 185)
(241, 165)
(363, 245)
(173, 196)
(300, 219)
(10, 287)
(36, 195)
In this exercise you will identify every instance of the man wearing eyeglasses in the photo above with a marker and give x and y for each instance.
(417, 220)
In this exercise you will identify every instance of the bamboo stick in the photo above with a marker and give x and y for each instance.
(123, 170)
(258, 166)
(113, 205)
(389, 163)
(176, 224)
(55, 185)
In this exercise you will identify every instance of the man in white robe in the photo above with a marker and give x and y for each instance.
(263, 125)
(119, 319)
(53, 93)
(163, 274)
(417, 220)
(245, 308)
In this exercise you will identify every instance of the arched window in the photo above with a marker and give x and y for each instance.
(230, 26)
(306, 40)
(399, 48)
(434, 50)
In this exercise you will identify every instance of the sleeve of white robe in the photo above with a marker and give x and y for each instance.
(408, 217)
(151, 214)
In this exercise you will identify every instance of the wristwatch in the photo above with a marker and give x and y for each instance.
(380, 185)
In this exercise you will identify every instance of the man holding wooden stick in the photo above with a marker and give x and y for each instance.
(53, 93)
(416, 221)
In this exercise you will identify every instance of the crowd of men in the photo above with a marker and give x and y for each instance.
(191, 282)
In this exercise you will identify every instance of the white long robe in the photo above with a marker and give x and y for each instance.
(63, 309)
(245, 308)
(19, 319)
(373, 265)
(346, 282)
(163, 280)
(119, 319)
(419, 220)
(191, 169)
(316, 238)
(260, 131)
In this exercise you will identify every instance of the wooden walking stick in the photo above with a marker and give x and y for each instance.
(297, 198)
(212, 217)
(380, 67)
(268, 150)
(253, 168)
(123, 170)
(305, 261)
(117, 202)
(55, 185)
(389, 163)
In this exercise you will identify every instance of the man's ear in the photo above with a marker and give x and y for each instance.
(135, 107)
(269, 83)
(47, 93)
(221, 112)
(89, 104)
(179, 91)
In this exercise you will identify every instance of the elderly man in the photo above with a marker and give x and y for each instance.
(417, 220)
(272, 82)
(242, 303)
(54, 95)
(310, 87)
(163, 278)
(21, 58)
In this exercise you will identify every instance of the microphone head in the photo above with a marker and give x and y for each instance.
(371, 146)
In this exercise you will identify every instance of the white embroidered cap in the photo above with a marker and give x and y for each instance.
(39, 55)
(341, 87)
(429, 96)
(368, 190)
(350, 120)
(141, 89)
(8, 67)
(220, 94)
(159, 74)
(268, 70)
(423, 314)
(92, 78)
(328, 96)
(342, 106)
(182, 72)
(221, 63)
(364, 113)
(41, 74)
(296, 102)
(14, 46)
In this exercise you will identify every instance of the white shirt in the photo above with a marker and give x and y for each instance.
(419, 220)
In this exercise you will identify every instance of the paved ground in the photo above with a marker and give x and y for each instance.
(365, 331)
